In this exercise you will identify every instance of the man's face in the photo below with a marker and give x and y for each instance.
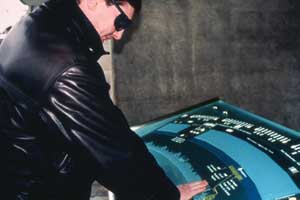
(106, 28)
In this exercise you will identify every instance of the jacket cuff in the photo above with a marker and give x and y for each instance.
(163, 190)
(169, 192)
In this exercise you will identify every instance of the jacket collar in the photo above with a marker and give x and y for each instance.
(86, 36)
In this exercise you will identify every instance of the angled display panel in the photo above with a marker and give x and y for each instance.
(241, 155)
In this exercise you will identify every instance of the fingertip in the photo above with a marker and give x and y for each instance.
(205, 182)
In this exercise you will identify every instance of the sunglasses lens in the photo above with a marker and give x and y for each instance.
(122, 22)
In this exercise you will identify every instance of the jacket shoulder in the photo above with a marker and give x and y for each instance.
(34, 54)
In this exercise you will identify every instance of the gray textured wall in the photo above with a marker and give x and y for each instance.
(185, 52)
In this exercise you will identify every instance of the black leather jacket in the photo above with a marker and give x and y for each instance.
(67, 132)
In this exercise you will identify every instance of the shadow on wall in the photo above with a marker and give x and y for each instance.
(128, 34)
(288, 27)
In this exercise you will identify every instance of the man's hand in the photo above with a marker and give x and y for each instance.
(187, 191)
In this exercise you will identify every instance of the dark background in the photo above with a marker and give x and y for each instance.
(182, 52)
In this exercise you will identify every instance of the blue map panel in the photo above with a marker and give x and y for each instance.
(241, 155)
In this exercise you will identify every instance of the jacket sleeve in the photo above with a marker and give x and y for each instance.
(85, 114)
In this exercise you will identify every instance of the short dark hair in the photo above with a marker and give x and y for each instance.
(136, 4)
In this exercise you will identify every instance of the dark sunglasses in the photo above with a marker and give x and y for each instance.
(122, 21)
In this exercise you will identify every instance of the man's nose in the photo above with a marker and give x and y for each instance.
(118, 34)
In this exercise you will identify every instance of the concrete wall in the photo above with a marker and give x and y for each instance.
(106, 64)
(184, 52)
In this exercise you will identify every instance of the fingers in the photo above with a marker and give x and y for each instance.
(197, 187)
(198, 184)
(191, 189)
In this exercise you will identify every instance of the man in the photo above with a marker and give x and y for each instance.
(59, 129)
